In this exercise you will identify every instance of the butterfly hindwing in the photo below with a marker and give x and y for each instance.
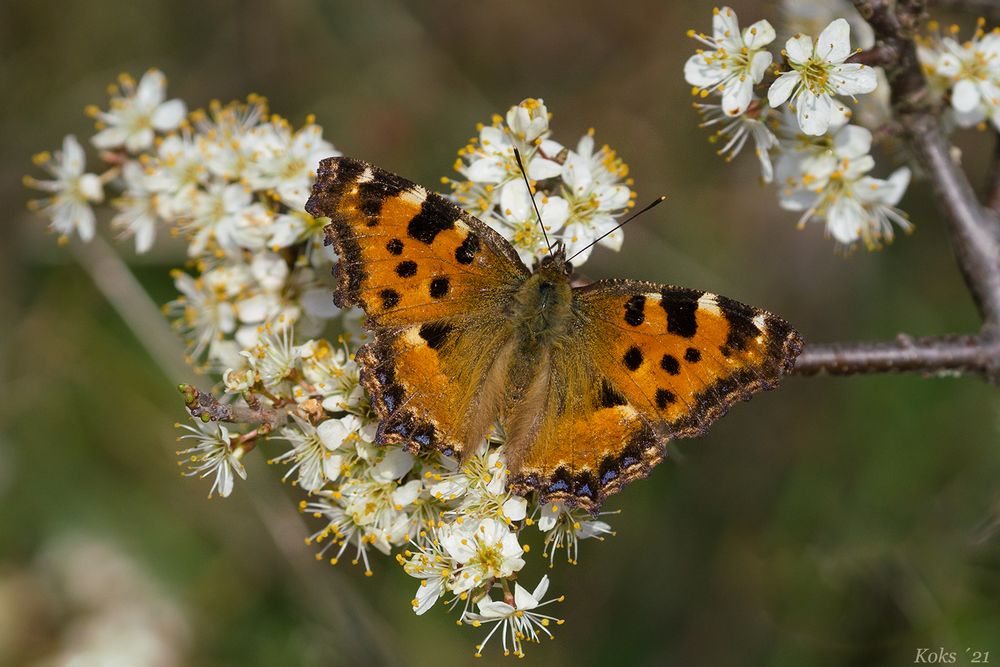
(434, 283)
(650, 363)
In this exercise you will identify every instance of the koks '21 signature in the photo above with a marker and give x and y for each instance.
(939, 656)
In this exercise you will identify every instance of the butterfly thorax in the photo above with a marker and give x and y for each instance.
(543, 304)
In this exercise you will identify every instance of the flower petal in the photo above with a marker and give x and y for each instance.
(834, 43)
(965, 96)
(845, 218)
(813, 112)
(758, 35)
(515, 202)
(853, 79)
(759, 64)
(151, 90)
(736, 95)
(782, 88)
(168, 115)
(699, 72)
(725, 24)
(799, 48)
(852, 141)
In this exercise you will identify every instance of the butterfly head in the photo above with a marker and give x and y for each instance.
(554, 264)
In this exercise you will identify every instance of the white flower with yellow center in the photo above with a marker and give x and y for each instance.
(308, 455)
(485, 549)
(340, 530)
(214, 454)
(595, 186)
(285, 161)
(854, 207)
(72, 191)
(818, 73)
(517, 622)
(430, 564)
(137, 112)
(176, 173)
(529, 120)
(518, 222)
(564, 527)
(736, 62)
(480, 488)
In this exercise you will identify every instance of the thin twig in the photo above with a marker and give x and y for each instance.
(992, 197)
(204, 405)
(935, 355)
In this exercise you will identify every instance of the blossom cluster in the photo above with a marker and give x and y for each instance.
(801, 129)
(232, 181)
(579, 192)
(967, 73)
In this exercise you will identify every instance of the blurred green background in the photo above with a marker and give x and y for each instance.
(831, 522)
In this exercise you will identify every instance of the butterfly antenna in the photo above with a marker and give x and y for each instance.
(531, 195)
(656, 202)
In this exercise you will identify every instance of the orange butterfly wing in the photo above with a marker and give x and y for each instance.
(649, 363)
(434, 282)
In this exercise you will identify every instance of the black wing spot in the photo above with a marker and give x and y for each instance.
(633, 358)
(610, 397)
(395, 247)
(635, 310)
(664, 398)
(741, 326)
(390, 298)
(670, 364)
(439, 287)
(435, 333)
(680, 306)
(466, 252)
(692, 355)
(436, 215)
(406, 268)
(373, 194)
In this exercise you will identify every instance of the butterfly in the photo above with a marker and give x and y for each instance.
(587, 384)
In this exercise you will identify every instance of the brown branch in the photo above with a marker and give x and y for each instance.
(208, 408)
(934, 355)
(974, 230)
(992, 198)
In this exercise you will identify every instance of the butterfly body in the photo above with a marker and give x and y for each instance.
(587, 384)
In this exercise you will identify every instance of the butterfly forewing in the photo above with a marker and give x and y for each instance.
(434, 282)
(650, 363)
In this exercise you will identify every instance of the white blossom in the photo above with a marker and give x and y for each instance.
(818, 73)
(485, 549)
(970, 71)
(564, 527)
(215, 454)
(137, 113)
(72, 190)
(736, 62)
(515, 623)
